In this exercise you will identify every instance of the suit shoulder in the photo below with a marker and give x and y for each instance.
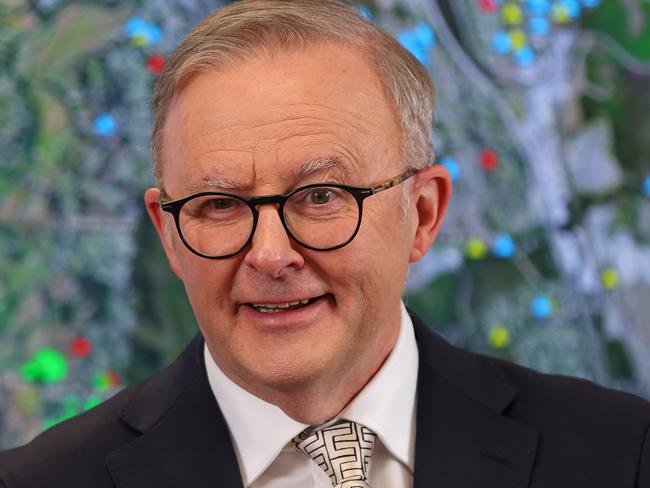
(80, 441)
(73, 453)
(573, 399)
(580, 423)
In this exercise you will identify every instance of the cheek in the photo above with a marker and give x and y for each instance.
(373, 266)
(208, 283)
(385, 248)
(386, 235)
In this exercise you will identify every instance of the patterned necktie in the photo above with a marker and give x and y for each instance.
(342, 450)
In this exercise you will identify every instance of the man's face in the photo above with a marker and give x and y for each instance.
(251, 127)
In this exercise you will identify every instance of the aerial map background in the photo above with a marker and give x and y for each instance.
(542, 121)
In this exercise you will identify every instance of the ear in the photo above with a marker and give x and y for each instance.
(157, 216)
(432, 190)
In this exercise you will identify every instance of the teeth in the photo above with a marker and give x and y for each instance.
(273, 307)
(267, 310)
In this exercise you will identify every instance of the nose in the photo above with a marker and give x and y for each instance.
(271, 250)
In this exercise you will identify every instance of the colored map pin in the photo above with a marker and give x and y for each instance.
(46, 366)
(539, 26)
(609, 278)
(541, 307)
(518, 39)
(489, 160)
(156, 63)
(488, 5)
(476, 249)
(512, 14)
(525, 56)
(105, 125)
(80, 347)
(499, 336)
(539, 7)
(501, 42)
(452, 166)
(504, 246)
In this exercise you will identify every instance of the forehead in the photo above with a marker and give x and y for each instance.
(270, 114)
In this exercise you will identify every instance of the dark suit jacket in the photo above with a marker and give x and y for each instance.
(481, 423)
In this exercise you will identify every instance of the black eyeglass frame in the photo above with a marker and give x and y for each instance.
(359, 194)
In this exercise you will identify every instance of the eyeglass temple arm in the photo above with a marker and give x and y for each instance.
(163, 198)
(394, 181)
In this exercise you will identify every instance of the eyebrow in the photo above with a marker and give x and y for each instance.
(320, 165)
(215, 183)
(303, 170)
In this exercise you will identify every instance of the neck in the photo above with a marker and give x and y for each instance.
(321, 401)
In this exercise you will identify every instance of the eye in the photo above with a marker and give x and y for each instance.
(319, 201)
(220, 203)
(321, 196)
(215, 207)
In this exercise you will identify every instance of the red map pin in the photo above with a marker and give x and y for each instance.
(488, 5)
(489, 160)
(80, 347)
(156, 63)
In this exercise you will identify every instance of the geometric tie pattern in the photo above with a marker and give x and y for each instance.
(342, 450)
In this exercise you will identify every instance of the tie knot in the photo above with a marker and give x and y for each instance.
(342, 450)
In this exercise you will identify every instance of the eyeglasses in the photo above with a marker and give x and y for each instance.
(320, 217)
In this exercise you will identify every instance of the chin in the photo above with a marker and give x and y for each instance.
(286, 373)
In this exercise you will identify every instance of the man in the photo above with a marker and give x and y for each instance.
(292, 150)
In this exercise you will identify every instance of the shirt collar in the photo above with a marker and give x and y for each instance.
(387, 404)
(260, 430)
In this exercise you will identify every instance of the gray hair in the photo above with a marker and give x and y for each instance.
(250, 28)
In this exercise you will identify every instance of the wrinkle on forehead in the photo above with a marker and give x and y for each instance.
(267, 153)
(276, 126)
(322, 168)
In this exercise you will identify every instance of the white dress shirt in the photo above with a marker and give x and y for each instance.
(262, 433)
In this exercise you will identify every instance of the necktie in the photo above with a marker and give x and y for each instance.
(342, 450)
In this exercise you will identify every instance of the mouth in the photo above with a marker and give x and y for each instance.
(280, 307)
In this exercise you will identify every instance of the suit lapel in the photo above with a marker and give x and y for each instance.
(185, 439)
(462, 439)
